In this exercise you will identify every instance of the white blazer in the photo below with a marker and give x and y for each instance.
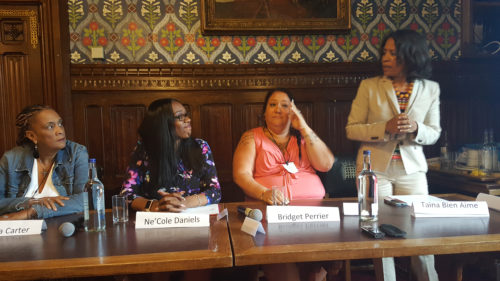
(375, 104)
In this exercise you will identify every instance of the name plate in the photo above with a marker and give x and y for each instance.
(276, 214)
(161, 220)
(20, 227)
(450, 209)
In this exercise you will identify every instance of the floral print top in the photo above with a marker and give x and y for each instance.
(138, 177)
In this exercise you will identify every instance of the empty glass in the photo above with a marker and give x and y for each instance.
(120, 208)
(280, 195)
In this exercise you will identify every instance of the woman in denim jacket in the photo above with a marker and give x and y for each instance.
(45, 174)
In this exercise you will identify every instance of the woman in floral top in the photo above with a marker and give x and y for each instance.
(169, 171)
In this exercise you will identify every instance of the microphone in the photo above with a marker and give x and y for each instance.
(255, 214)
(67, 229)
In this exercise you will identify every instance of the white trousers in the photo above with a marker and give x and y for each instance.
(396, 182)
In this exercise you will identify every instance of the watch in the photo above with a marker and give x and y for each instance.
(148, 206)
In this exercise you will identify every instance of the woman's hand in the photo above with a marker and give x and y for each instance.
(267, 197)
(49, 202)
(297, 120)
(170, 202)
(26, 214)
(401, 124)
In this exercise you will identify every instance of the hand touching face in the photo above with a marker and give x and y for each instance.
(277, 112)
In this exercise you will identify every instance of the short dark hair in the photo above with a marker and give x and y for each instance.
(293, 131)
(412, 51)
(159, 137)
(23, 121)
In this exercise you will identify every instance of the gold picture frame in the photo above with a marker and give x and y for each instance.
(220, 17)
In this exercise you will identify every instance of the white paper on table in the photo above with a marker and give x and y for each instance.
(211, 209)
(450, 209)
(492, 200)
(409, 199)
(350, 209)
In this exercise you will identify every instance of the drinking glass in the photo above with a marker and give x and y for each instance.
(120, 208)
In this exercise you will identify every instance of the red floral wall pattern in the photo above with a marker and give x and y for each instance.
(168, 31)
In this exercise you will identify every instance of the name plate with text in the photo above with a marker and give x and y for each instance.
(20, 227)
(450, 209)
(277, 214)
(161, 220)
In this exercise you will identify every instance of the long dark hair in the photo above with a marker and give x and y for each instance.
(411, 51)
(293, 131)
(158, 135)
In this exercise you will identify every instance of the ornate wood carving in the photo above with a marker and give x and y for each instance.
(14, 27)
(159, 78)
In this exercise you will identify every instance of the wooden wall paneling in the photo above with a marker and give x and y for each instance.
(43, 41)
(306, 109)
(216, 129)
(252, 117)
(224, 102)
(15, 95)
(94, 133)
(20, 63)
(341, 145)
(121, 140)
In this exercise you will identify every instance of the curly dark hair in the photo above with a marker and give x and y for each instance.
(411, 51)
(23, 121)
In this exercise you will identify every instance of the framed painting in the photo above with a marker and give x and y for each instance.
(274, 16)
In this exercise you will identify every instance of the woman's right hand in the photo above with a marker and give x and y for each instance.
(401, 124)
(170, 202)
(49, 202)
(267, 197)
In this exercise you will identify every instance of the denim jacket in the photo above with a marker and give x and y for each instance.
(69, 178)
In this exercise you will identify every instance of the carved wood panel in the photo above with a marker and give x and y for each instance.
(15, 95)
(124, 122)
(216, 129)
(225, 101)
(94, 133)
(31, 59)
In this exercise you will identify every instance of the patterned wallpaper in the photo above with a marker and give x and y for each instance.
(168, 31)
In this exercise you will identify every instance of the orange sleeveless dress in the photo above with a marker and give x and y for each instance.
(269, 171)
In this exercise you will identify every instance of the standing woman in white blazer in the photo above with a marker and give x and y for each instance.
(394, 115)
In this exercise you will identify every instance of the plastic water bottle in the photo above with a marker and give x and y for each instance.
(93, 201)
(367, 191)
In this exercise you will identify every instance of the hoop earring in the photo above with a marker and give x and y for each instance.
(36, 154)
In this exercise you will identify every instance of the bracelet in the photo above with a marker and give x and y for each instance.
(198, 197)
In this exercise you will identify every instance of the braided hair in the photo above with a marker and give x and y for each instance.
(293, 131)
(23, 121)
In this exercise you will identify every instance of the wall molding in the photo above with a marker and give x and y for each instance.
(100, 77)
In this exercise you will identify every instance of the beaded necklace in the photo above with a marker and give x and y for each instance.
(281, 146)
(404, 96)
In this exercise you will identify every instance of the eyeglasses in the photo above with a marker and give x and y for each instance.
(182, 117)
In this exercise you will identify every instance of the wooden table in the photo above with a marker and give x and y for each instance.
(457, 181)
(304, 242)
(119, 250)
